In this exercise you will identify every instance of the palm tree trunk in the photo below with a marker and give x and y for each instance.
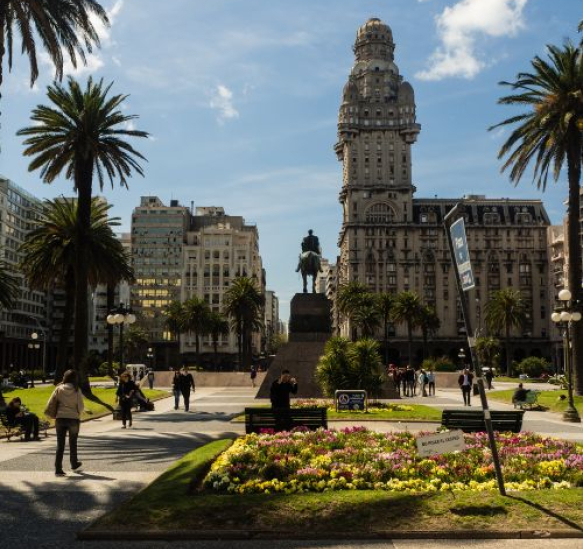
(574, 243)
(83, 178)
(410, 343)
(63, 346)
(197, 346)
(386, 341)
(110, 304)
(507, 350)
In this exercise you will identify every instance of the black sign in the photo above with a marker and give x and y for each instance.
(350, 400)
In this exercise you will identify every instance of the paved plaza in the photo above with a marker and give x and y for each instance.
(39, 510)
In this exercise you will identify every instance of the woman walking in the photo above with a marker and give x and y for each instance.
(125, 395)
(66, 406)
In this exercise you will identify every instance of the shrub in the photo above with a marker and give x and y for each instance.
(442, 364)
(347, 365)
(533, 366)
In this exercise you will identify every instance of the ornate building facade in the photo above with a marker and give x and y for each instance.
(392, 241)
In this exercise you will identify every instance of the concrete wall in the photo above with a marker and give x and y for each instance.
(208, 379)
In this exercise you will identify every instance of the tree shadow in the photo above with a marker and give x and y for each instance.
(539, 507)
(97, 400)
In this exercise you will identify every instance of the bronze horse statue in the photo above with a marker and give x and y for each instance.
(309, 266)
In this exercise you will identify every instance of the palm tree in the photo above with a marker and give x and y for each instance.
(505, 310)
(407, 310)
(81, 134)
(63, 26)
(385, 301)
(549, 135)
(366, 366)
(135, 343)
(367, 318)
(218, 326)
(334, 367)
(488, 351)
(429, 323)
(352, 298)
(8, 286)
(49, 253)
(243, 304)
(174, 313)
(196, 316)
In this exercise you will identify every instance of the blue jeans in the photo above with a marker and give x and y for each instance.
(64, 426)
(177, 395)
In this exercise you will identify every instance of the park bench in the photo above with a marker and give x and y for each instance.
(284, 419)
(10, 431)
(530, 401)
(472, 421)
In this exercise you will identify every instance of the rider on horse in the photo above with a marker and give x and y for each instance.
(311, 243)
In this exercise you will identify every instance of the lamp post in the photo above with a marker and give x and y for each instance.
(120, 316)
(564, 317)
(150, 356)
(462, 356)
(34, 344)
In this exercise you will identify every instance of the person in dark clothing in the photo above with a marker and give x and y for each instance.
(125, 394)
(519, 394)
(186, 383)
(489, 375)
(281, 389)
(16, 415)
(465, 381)
(176, 388)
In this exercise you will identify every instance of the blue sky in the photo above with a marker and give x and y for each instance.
(241, 98)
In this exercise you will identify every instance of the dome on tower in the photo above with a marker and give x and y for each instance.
(350, 92)
(374, 29)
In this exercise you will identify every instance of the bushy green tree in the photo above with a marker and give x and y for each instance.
(488, 351)
(534, 366)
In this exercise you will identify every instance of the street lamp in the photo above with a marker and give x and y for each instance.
(34, 344)
(120, 316)
(150, 356)
(462, 356)
(564, 317)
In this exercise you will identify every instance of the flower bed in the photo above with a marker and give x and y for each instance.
(359, 459)
(373, 407)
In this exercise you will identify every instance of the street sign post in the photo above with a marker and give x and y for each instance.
(350, 400)
(462, 254)
(440, 443)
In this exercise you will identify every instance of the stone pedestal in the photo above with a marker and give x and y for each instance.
(310, 318)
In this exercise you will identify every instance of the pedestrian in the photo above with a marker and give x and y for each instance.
(489, 375)
(66, 405)
(411, 381)
(253, 375)
(186, 383)
(396, 375)
(423, 382)
(125, 396)
(16, 414)
(431, 382)
(465, 382)
(281, 389)
(151, 377)
(176, 388)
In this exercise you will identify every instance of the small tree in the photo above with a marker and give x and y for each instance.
(534, 366)
(333, 370)
(488, 351)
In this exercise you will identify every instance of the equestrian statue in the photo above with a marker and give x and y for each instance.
(310, 260)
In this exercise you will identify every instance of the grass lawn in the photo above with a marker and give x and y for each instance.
(418, 412)
(170, 504)
(36, 400)
(549, 399)
(100, 379)
(518, 380)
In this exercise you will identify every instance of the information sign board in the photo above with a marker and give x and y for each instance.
(440, 443)
(350, 400)
(462, 254)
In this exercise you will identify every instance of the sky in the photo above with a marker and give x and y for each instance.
(241, 100)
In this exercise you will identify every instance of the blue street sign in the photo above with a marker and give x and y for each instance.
(462, 254)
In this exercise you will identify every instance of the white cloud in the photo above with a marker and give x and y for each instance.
(222, 101)
(460, 25)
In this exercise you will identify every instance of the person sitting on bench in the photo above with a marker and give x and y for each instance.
(519, 394)
(17, 416)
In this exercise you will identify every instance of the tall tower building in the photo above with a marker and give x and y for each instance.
(392, 241)
(376, 128)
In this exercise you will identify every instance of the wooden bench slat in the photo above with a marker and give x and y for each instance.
(473, 420)
(268, 418)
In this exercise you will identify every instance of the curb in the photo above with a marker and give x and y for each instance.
(143, 535)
